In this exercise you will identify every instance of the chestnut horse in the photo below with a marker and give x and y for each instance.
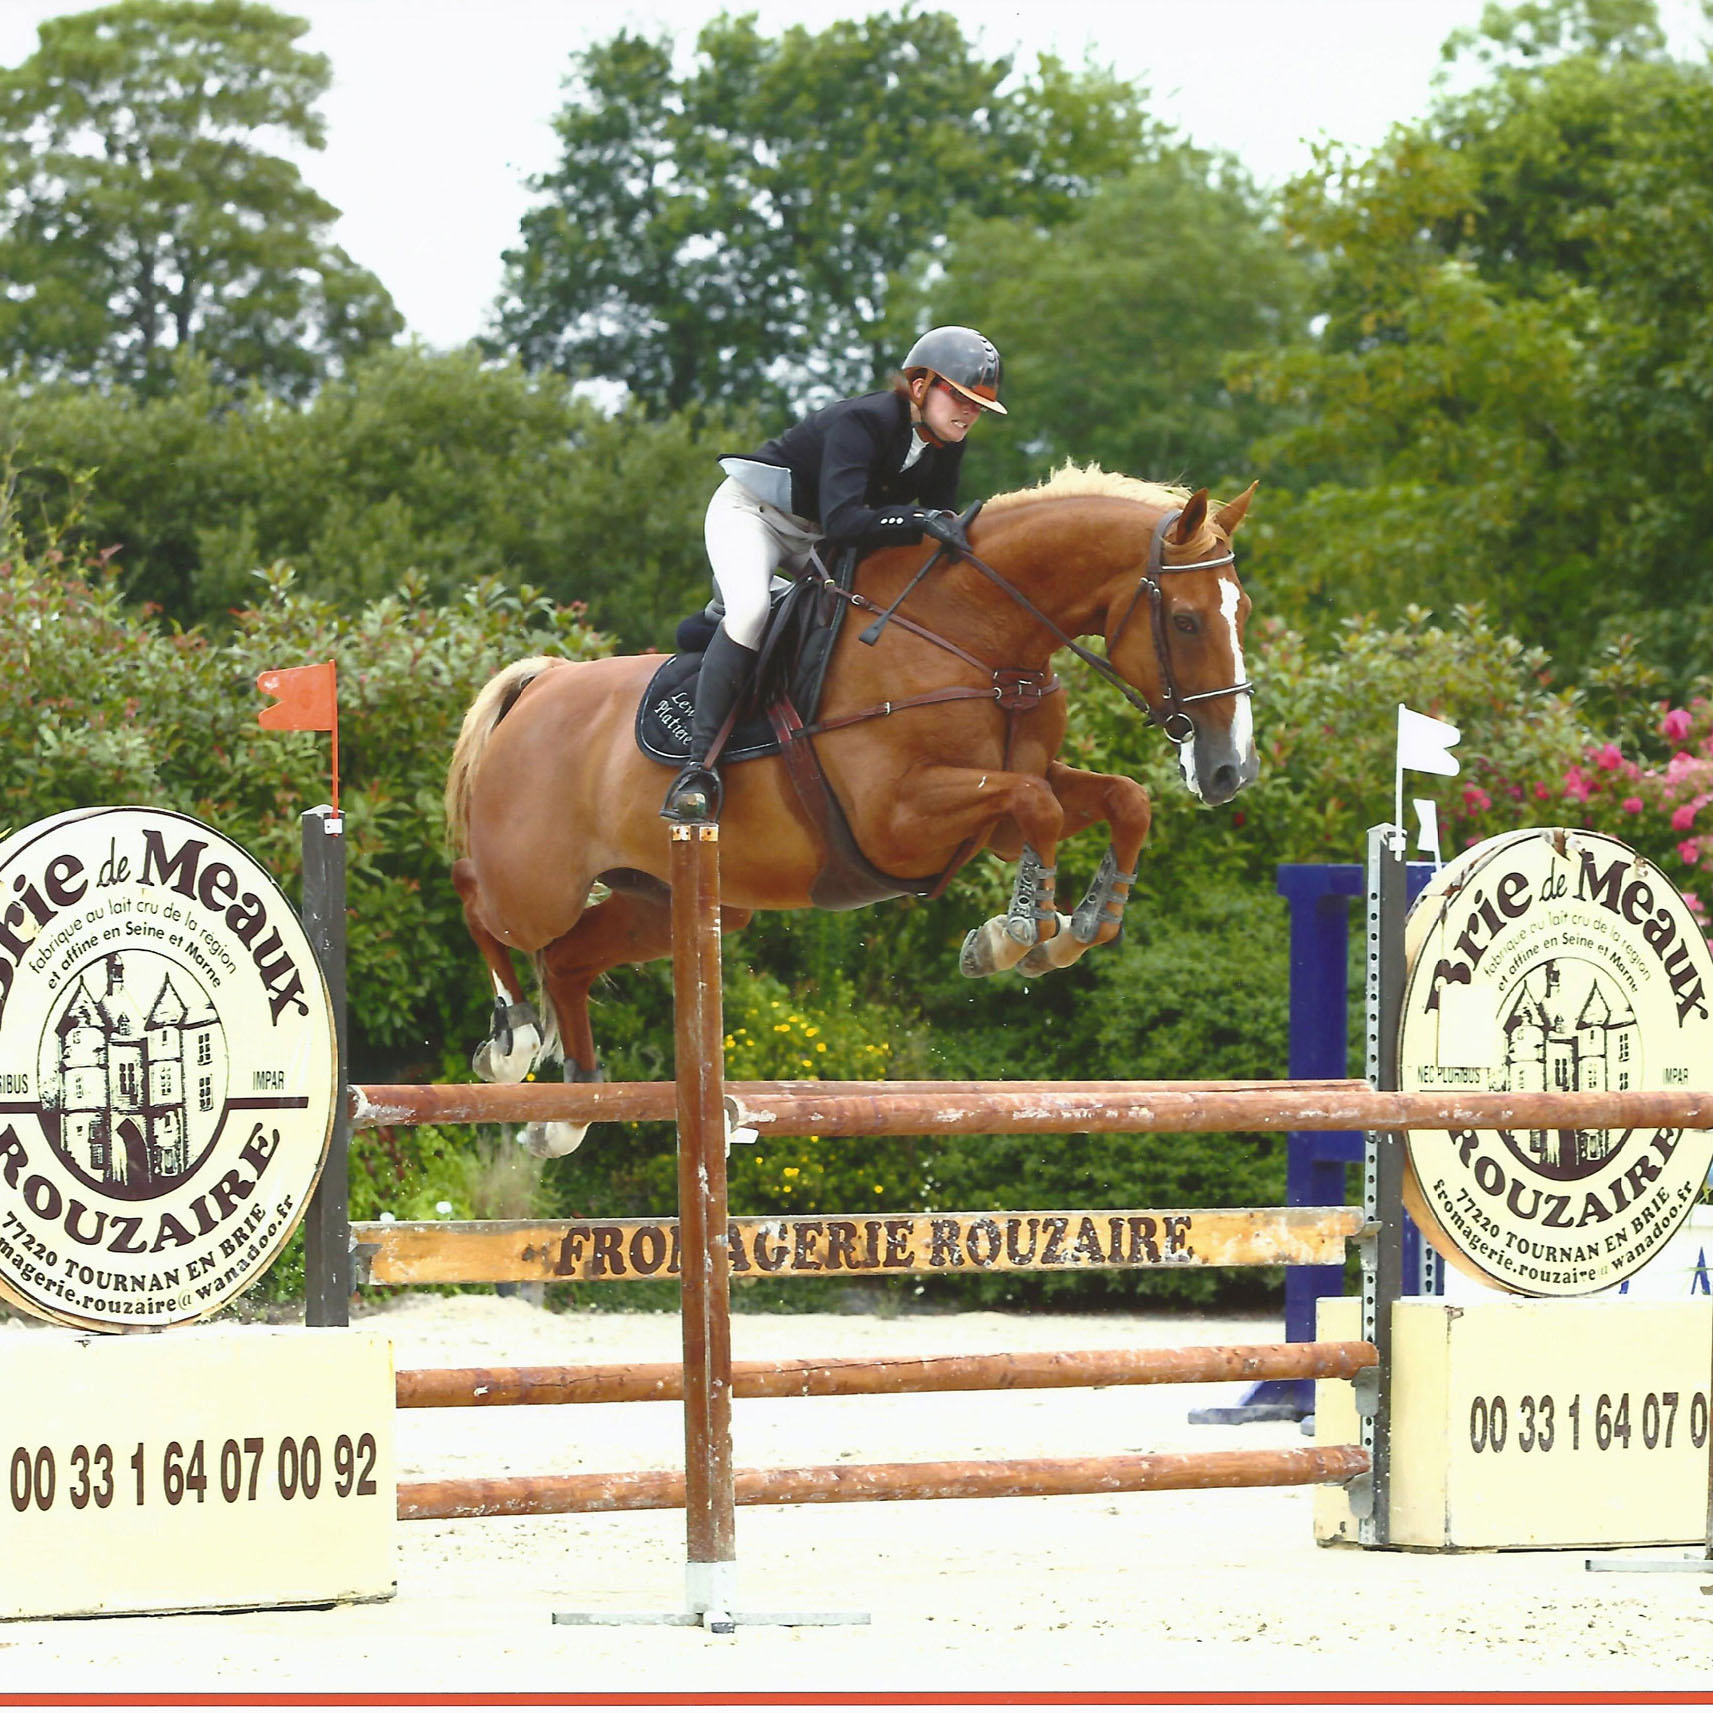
(954, 750)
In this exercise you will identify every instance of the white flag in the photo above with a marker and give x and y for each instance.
(1425, 744)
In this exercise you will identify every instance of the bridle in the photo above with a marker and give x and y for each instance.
(1017, 690)
(1175, 722)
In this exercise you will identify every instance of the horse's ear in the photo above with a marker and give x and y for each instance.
(1233, 512)
(1190, 519)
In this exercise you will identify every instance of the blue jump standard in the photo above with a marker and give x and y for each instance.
(1319, 894)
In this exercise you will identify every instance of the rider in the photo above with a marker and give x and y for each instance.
(876, 471)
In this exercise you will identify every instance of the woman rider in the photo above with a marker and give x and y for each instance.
(876, 471)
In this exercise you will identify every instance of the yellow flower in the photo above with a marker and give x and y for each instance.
(791, 1171)
(820, 1046)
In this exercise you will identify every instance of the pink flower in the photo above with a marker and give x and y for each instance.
(1683, 819)
(1475, 799)
(1516, 791)
(1632, 805)
(1690, 851)
(1680, 764)
(1675, 726)
(1576, 786)
(1608, 758)
(1696, 908)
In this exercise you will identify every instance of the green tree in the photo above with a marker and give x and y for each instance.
(143, 212)
(731, 234)
(1126, 314)
(434, 464)
(1513, 398)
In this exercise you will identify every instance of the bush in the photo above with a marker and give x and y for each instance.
(101, 703)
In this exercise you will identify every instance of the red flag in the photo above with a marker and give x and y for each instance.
(308, 699)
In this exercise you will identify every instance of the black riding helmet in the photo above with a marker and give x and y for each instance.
(962, 358)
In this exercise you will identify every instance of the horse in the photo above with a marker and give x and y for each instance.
(939, 738)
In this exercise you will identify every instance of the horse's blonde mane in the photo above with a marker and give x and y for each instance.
(1080, 481)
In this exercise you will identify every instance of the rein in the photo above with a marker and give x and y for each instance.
(1015, 688)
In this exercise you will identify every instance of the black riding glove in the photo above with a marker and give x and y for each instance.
(945, 528)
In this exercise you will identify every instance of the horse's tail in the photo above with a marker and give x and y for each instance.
(547, 1013)
(493, 702)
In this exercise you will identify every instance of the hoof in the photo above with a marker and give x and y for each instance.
(551, 1141)
(988, 950)
(493, 1066)
(1053, 954)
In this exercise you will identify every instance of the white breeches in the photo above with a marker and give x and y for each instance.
(748, 541)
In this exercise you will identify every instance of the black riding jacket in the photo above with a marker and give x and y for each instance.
(845, 476)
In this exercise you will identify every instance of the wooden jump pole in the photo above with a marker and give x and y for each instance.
(552, 1495)
(1023, 1108)
(843, 1377)
(699, 1068)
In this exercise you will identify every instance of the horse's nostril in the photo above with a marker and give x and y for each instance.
(1224, 782)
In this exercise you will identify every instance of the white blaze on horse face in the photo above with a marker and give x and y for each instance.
(1187, 768)
(1242, 717)
(1242, 729)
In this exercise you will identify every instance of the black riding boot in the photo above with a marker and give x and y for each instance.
(726, 667)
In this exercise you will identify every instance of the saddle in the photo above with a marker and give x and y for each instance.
(803, 623)
(791, 670)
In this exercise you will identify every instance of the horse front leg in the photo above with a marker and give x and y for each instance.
(937, 804)
(1090, 798)
(1031, 919)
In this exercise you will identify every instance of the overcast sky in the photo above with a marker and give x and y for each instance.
(440, 109)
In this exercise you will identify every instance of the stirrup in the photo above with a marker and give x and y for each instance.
(695, 795)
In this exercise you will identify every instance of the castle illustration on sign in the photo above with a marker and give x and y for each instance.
(139, 1090)
(1564, 1030)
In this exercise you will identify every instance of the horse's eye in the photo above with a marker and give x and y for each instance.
(1186, 622)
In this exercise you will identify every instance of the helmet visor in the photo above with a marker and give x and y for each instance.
(987, 400)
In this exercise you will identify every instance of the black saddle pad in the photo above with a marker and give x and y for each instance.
(663, 718)
(801, 630)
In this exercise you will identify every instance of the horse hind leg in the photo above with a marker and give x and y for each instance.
(626, 928)
(514, 1036)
